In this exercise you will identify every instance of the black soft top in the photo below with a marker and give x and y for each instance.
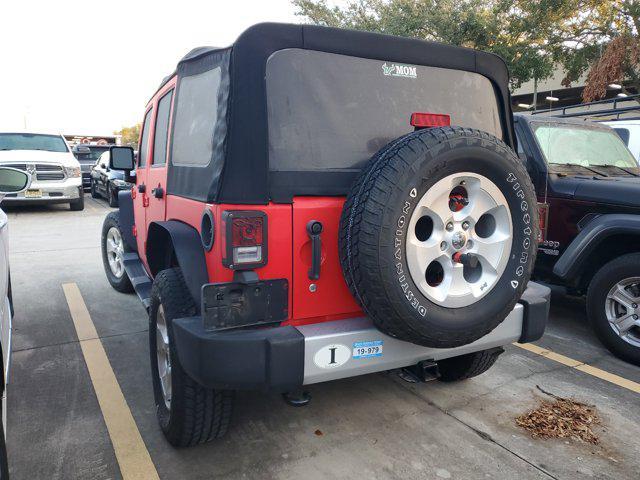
(239, 171)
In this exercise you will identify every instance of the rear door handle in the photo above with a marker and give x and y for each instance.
(158, 192)
(142, 188)
(314, 229)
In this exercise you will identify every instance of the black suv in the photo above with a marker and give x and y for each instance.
(87, 156)
(588, 185)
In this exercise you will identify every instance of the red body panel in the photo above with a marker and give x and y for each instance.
(331, 298)
(289, 254)
(148, 208)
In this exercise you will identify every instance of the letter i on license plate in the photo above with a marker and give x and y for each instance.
(367, 349)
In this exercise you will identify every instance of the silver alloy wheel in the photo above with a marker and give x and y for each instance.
(622, 308)
(163, 355)
(115, 252)
(436, 233)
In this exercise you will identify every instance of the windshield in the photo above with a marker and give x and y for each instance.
(91, 155)
(31, 141)
(582, 145)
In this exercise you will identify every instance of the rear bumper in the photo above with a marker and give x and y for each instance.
(284, 358)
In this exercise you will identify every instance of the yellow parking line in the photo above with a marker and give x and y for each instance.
(583, 367)
(131, 452)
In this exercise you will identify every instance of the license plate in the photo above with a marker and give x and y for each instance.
(367, 349)
(33, 193)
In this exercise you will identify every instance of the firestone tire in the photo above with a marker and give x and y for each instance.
(194, 414)
(467, 366)
(113, 247)
(375, 225)
(624, 270)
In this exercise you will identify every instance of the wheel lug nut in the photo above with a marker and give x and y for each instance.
(465, 225)
(635, 305)
(635, 317)
(449, 227)
(470, 244)
(443, 246)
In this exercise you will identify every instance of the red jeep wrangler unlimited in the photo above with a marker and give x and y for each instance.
(297, 217)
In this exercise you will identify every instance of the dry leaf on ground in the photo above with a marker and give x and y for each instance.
(561, 418)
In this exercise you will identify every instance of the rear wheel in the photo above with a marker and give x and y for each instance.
(437, 237)
(188, 413)
(467, 366)
(113, 249)
(613, 306)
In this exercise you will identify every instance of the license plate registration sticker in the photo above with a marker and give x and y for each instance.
(367, 349)
(33, 193)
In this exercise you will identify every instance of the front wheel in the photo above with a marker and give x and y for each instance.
(613, 306)
(94, 192)
(188, 413)
(113, 249)
(78, 204)
(112, 196)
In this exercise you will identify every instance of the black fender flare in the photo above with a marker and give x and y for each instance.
(571, 262)
(126, 219)
(170, 242)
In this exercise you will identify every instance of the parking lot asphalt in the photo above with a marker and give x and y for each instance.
(375, 426)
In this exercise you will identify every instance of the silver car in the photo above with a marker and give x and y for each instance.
(11, 181)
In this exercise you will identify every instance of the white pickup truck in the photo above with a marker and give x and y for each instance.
(55, 172)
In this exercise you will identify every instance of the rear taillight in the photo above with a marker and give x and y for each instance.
(245, 239)
(428, 120)
(543, 215)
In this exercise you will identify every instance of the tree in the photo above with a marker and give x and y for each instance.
(533, 36)
(606, 47)
(130, 135)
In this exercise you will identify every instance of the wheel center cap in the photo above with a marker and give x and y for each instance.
(458, 240)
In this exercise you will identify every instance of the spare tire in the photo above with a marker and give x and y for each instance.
(438, 236)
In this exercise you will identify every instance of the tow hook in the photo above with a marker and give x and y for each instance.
(421, 372)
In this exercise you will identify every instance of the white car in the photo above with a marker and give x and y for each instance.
(54, 171)
(11, 181)
(629, 131)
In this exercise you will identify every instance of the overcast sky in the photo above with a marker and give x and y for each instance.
(89, 67)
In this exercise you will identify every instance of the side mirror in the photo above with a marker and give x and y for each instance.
(13, 180)
(121, 158)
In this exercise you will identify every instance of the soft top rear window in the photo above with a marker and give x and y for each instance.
(333, 112)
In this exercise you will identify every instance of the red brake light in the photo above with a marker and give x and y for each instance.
(246, 232)
(245, 244)
(427, 120)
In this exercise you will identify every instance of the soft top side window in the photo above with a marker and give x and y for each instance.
(144, 140)
(161, 130)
